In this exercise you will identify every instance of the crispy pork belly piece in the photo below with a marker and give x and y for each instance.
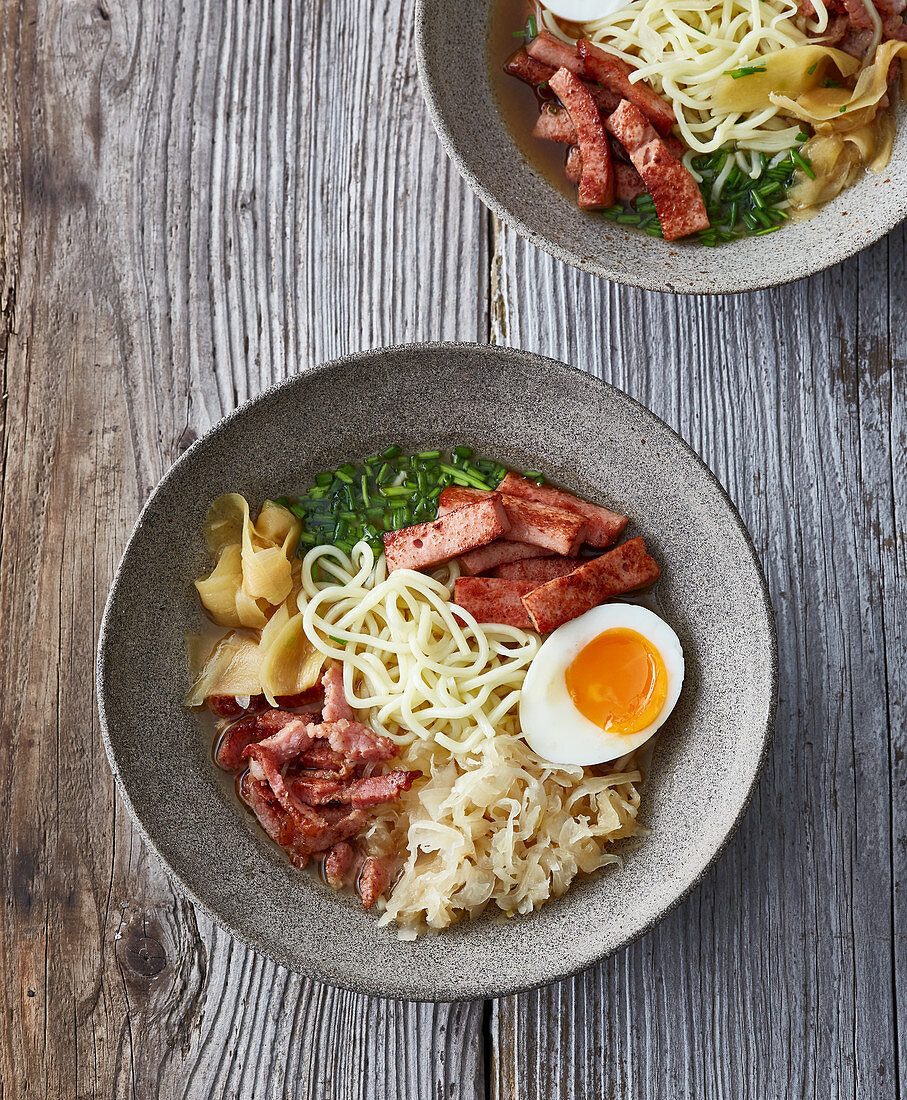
(555, 126)
(678, 200)
(623, 569)
(497, 553)
(271, 815)
(603, 526)
(493, 600)
(555, 529)
(528, 69)
(536, 73)
(539, 570)
(335, 704)
(551, 51)
(614, 74)
(573, 166)
(596, 184)
(338, 863)
(477, 523)
(373, 880)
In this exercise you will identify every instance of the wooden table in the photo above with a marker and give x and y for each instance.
(198, 198)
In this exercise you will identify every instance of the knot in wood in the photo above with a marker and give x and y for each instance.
(144, 955)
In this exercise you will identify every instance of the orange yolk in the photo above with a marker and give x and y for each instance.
(618, 681)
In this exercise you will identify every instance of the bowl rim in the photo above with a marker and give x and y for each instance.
(653, 281)
(397, 989)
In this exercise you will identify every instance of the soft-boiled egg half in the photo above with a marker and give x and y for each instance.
(601, 685)
(584, 11)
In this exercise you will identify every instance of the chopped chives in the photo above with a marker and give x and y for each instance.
(744, 70)
(802, 163)
(361, 501)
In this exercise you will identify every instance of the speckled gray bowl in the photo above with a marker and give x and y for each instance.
(455, 67)
(526, 411)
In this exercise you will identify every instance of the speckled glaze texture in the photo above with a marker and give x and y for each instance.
(454, 68)
(528, 412)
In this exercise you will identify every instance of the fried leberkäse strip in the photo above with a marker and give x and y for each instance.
(604, 526)
(627, 567)
(678, 200)
(476, 524)
(596, 184)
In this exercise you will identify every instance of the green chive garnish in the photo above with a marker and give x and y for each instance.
(745, 70)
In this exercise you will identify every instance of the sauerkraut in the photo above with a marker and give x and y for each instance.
(497, 827)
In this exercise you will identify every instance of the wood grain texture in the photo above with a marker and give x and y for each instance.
(193, 206)
(782, 976)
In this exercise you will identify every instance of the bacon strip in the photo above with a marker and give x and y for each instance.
(377, 789)
(309, 783)
(335, 704)
(678, 200)
(479, 522)
(497, 553)
(373, 880)
(337, 864)
(493, 600)
(603, 526)
(621, 570)
(614, 74)
(596, 185)
(557, 530)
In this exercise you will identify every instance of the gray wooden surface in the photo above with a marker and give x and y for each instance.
(200, 197)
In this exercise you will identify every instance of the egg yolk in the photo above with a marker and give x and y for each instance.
(618, 681)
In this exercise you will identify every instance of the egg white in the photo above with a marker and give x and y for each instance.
(584, 11)
(550, 722)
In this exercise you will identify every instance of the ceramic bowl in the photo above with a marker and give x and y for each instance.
(528, 412)
(455, 68)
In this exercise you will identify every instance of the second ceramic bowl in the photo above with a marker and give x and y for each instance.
(455, 67)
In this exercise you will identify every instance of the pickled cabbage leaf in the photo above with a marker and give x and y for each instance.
(789, 72)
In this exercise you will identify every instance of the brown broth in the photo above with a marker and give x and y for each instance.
(517, 102)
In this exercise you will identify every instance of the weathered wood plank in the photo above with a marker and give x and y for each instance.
(779, 977)
(194, 205)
